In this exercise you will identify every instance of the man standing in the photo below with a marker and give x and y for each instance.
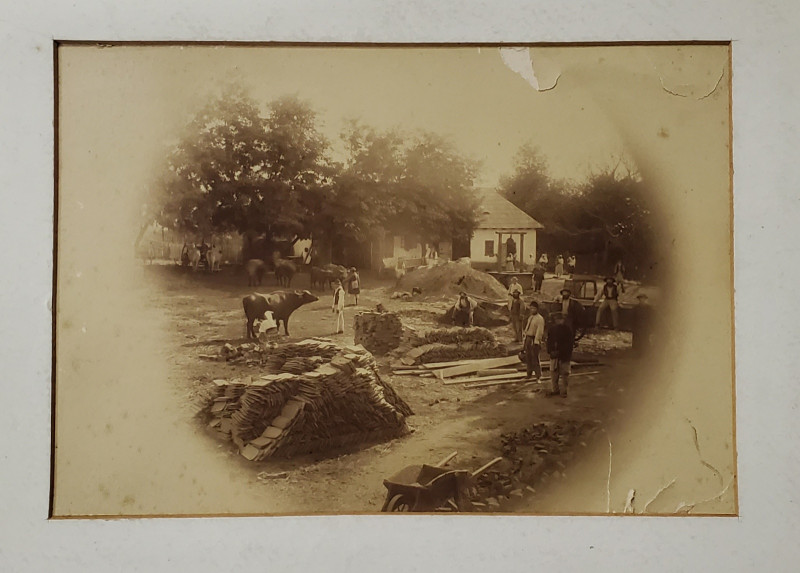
(354, 283)
(464, 310)
(571, 309)
(532, 341)
(538, 277)
(559, 347)
(513, 287)
(515, 312)
(338, 307)
(609, 295)
(619, 275)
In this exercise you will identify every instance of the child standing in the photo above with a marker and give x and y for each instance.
(338, 307)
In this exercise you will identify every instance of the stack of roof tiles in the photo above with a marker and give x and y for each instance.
(336, 401)
(378, 332)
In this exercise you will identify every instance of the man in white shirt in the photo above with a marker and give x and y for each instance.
(532, 340)
(514, 287)
(338, 307)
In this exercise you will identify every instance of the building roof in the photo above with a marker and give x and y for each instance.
(499, 213)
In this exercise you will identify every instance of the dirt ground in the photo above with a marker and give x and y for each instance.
(204, 311)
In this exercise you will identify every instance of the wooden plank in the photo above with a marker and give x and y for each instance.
(484, 378)
(500, 376)
(514, 381)
(434, 365)
(493, 371)
(478, 365)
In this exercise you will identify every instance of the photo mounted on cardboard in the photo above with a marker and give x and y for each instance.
(322, 279)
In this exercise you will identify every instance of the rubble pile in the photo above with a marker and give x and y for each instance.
(459, 335)
(296, 357)
(341, 401)
(481, 317)
(450, 279)
(378, 332)
(533, 450)
(448, 352)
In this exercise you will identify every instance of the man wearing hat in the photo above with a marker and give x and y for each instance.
(571, 308)
(559, 346)
(609, 295)
(642, 326)
(464, 310)
(532, 340)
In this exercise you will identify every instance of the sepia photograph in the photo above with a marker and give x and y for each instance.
(299, 279)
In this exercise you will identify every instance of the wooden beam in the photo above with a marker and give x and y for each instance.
(514, 381)
(483, 378)
(477, 365)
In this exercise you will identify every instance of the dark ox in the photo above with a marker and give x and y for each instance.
(255, 271)
(281, 304)
(324, 276)
(284, 271)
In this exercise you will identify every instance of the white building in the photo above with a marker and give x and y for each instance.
(502, 220)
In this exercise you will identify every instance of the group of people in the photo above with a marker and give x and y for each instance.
(571, 263)
(353, 282)
(560, 343)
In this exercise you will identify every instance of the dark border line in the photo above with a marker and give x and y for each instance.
(54, 294)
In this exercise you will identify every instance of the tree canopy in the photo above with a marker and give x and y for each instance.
(236, 169)
(607, 216)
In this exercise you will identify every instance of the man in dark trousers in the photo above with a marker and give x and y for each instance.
(538, 277)
(559, 346)
(515, 312)
(571, 308)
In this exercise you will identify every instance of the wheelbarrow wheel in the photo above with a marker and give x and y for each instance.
(398, 503)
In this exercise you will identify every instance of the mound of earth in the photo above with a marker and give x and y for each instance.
(450, 279)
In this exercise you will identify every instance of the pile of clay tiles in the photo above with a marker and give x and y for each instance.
(378, 332)
(341, 401)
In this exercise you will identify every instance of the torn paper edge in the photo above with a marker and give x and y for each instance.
(700, 455)
(519, 60)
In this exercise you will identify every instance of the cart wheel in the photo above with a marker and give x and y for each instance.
(398, 503)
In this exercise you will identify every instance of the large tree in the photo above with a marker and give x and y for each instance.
(607, 216)
(235, 169)
(407, 184)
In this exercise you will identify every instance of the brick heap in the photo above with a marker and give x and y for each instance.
(337, 403)
(378, 332)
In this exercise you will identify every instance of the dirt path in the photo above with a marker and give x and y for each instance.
(204, 311)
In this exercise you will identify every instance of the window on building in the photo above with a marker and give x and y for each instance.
(488, 248)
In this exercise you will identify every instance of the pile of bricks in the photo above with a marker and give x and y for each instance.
(378, 332)
(339, 402)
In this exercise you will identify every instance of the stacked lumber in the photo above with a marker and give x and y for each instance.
(341, 401)
(378, 332)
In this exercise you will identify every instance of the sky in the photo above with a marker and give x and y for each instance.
(467, 94)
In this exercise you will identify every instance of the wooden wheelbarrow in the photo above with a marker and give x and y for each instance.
(428, 488)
